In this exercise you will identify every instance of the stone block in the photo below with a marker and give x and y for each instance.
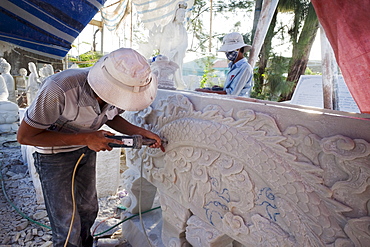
(107, 172)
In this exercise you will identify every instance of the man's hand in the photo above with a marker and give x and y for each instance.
(98, 140)
(151, 135)
(122, 125)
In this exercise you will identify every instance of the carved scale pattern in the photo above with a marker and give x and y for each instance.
(241, 174)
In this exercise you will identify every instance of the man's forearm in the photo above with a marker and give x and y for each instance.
(44, 138)
(204, 90)
(123, 126)
(95, 140)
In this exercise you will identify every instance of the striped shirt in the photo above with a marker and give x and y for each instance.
(66, 103)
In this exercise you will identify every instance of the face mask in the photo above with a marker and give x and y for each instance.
(231, 55)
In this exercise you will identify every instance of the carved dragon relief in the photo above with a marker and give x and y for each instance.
(257, 184)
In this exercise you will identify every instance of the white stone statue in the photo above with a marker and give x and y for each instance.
(46, 71)
(22, 81)
(4, 94)
(164, 69)
(174, 42)
(33, 83)
(9, 80)
(9, 116)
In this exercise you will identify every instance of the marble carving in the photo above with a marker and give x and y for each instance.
(8, 110)
(235, 178)
(33, 83)
(4, 93)
(164, 69)
(46, 71)
(174, 42)
(8, 78)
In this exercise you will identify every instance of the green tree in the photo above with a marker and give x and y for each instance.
(303, 33)
(196, 26)
(197, 29)
(87, 59)
(207, 63)
(264, 57)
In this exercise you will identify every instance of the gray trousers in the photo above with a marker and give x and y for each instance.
(55, 171)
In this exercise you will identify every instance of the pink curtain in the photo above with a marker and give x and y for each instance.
(347, 26)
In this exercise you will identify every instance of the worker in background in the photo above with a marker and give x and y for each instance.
(63, 123)
(239, 80)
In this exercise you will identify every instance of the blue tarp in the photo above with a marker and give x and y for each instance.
(46, 27)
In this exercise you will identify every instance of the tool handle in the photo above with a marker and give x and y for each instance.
(135, 141)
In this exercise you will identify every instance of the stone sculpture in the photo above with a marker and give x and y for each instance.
(46, 71)
(9, 80)
(22, 81)
(164, 69)
(33, 83)
(233, 176)
(21, 88)
(9, 119)
(4, 93)
(174, 42)
(8, 110)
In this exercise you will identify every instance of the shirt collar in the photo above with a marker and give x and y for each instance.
(87, 98)
(238, 64)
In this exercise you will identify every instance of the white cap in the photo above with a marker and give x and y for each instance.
(124, 79)
(233, 41)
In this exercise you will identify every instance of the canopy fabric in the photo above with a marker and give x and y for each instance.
(346, 24)
(113, 15)
(45, 27)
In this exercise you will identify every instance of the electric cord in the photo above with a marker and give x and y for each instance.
(48, 227)
(11, 203)
(101, 222)
(6, 144)
(140, 215)
(129, 218)
(73, 199)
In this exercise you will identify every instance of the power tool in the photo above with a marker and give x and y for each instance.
(135, 141)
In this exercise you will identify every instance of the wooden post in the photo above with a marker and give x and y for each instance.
(268, 10)
(100, 25)
(329, 73)
(131, 24)
(102, 39)
(210, 26)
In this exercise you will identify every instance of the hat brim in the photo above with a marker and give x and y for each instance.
(121, 97)
(226, 48)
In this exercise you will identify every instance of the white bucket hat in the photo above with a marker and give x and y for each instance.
(124, 79)
(233, 41)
